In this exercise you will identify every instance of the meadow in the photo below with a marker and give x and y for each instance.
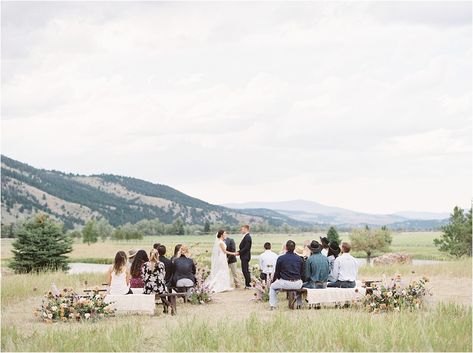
(234, 322)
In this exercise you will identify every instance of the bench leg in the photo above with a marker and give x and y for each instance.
(173, 305)
(291, 297)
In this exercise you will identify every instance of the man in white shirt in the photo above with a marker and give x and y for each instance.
(345, 269)
(267, 262)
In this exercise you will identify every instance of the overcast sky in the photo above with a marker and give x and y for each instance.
(362, 105)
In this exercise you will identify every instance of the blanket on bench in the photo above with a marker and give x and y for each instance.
(334, 295)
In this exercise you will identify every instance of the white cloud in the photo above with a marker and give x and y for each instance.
(304, 100)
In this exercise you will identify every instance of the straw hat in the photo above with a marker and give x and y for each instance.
(132, 253)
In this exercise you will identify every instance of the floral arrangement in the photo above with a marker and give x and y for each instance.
(67, 305)
(394, 296)
(201, 292)
(260, 286)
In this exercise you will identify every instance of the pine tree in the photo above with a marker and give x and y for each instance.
(41, 244)
(332, 235)
(456, 237)
(207, 227)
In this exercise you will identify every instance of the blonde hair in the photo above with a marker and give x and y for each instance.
(153, 257)
(184, 250)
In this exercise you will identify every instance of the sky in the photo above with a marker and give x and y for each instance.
(362, 105)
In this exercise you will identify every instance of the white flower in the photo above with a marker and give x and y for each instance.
(87, 315)
(50, 316)
(54, 308)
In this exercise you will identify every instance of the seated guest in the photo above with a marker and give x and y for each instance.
(167, 264)
(333, 252)
(176, 251)
(325, 244)
(183, 269)
(156, 246)
(135, 271)
(131, 255)
(316, 268)
(152, 274)
(345, 269)
(288, 273)
(118, 275)
(267, 262)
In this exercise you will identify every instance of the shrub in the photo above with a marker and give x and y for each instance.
(201, 293)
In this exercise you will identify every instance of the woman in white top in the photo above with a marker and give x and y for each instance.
(219, 279)
(119, 275)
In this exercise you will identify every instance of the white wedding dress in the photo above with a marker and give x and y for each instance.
(219, 279)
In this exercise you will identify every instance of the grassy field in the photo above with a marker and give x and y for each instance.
(418, 244)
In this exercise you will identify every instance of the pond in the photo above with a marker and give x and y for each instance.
(78, 267)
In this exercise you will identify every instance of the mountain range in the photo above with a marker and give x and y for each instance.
(74, 199)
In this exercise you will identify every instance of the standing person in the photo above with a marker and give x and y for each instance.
(245, 254)
(135, 271)
(219, 279)
(167, 263)
(231, 259)
(267, 262)
(288, 273)
(118, 275)
(345, 269)
(325, 244)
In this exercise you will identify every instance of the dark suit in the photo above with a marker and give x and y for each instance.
(232, 248)
(245, 257)
(168, 267)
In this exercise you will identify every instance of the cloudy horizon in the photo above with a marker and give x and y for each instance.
(360, 105)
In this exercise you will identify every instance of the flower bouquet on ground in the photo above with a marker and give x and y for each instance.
(260, 286)
(395, 296)
(68, 305)
(201, 293)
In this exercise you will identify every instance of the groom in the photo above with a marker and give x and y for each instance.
(245, 254)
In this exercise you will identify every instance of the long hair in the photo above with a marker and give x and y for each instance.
(153, 258)
(120, 262)
(176, 249)
(140, 258)
(220, 233)
(184, 250)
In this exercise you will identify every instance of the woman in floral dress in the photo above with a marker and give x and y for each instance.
(153, 273)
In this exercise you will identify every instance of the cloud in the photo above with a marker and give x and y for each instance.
(303, 100)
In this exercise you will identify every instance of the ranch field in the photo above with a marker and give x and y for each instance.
(234, 322)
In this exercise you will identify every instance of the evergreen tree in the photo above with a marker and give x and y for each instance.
(207, 227)
(332, 235)
(178, 227)
(456, 237)
(89, 233)
(40, 244)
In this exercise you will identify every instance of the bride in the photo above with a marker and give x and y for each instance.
(219, 279)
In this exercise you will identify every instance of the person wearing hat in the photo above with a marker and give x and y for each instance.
(131, 257)
(316, 268)
(345, 269)
(333, 252)
(325, 243)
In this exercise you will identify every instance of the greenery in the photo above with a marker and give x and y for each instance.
(40, 244)
(89, 233)
(127, 232)
(370, 240)
(456, 236)
(332, 235)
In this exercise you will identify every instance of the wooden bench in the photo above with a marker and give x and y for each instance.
(183, 290)
(291, 295)
(169, 300)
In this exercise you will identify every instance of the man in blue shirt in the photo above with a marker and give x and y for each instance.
(317, 268)
(288, 273)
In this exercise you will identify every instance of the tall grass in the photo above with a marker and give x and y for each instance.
(16, 288)
(445, 328)
(123, 336)
(456, 269)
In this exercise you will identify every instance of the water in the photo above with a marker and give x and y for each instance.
(78, 267)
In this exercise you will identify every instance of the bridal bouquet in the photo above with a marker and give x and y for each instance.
(67, 305)
(394, 296)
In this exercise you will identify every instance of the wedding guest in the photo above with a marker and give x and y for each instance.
(316, 268)
(156, 246)
(118, 275)
(131, 255)
(183, 269)
(267, 262)
(176, 251)
(333, 252)
(287, 275)
(325, 244)
(232, 261)
(152, 274)
(167, 264)
(345, 269)
(135, 271)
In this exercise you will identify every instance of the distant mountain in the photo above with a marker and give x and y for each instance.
(74, 199)
(316, 213)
